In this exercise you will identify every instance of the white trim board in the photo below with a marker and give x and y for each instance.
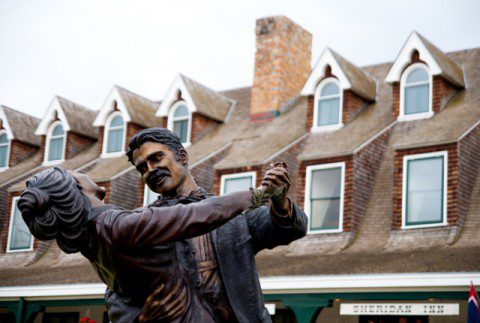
(407, 282)
(171, 97)
(5, 124)
(107, 108)
(49, 117)
(10, 226)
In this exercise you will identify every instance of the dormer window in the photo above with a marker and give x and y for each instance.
(328, 105)
(179, 121)
(416, 93)
(113, 144)
(55, 144)
(4, 150)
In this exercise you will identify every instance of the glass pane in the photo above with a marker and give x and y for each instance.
(181, 129)
(3, 139)
(325, 214)
(55, 149)
(237, 184)
(3, 156)
(417, 75)
(326, 183)
(416, 99)
(116, 121)
(20, 237)
(330, 89)
(181, 111)
(425, 190)
(151, 196)
(328, 111)
(115, 140)
(58, 130)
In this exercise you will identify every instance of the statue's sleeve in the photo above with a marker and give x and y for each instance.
(153, 226)
(269, 230)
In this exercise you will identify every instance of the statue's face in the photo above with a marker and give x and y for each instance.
(90, 189)
(160, 168)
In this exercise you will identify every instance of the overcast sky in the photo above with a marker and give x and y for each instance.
(79, 49)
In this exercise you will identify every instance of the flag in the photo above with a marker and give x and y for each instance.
(473, 309)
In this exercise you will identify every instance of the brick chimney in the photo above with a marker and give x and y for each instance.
(282, 65)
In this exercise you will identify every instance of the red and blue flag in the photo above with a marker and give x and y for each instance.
(473, 309)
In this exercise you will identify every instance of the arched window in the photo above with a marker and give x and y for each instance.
(115, 134)
(179, 121)
(416, 91)
(4, 150)
(328, 104)
(55, 143)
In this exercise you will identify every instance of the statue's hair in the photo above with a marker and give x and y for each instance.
(160, 135)
(53, 207)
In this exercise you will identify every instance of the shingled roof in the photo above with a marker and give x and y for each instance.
(79, 118)
(199, 98)
(22, 126)
(141, 110)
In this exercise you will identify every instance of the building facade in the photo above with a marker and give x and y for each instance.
(384, 159)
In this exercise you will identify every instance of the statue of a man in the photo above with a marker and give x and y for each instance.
(220, 264)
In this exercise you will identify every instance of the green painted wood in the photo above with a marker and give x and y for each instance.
(304, 314)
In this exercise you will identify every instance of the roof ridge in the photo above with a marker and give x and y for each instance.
(134, 93)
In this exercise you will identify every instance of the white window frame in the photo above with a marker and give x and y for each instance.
(145, 192)
(330, 127)
(106, 130)
(9, 144)
(416, 116)
(308, 188)
(171, 120)
(225, 177)
(47, 162)
(407, 158)
(10, 226)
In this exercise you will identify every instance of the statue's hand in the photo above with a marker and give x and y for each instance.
(277, 181)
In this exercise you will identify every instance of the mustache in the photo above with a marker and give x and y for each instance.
(156, 174)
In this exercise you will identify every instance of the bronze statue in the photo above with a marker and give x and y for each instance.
(220, 265)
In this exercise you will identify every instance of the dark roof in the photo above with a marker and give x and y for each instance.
(23, 126)
(141, 110)
(79, 118)
(105, 168)
(21, 169)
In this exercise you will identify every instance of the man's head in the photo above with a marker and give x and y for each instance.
(160, 158)
(55, 206)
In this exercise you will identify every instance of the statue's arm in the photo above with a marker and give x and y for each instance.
(152, 226)
(270, 229)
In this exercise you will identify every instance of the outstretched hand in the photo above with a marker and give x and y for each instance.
(277, 179)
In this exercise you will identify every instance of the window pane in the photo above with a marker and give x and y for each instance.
(181, 111)
(416, 99)
(325, 198)
(3, 156)
(151, 196)
(326, 182)
(330, 89)
(181, 129)
(3, 139)
(115, 140)
(325, 214)
(20, 237)
(425, 190)
(417, 75)
(55, 149)
(58, 130)
(328, 111)
(116, 121)
(237, 184)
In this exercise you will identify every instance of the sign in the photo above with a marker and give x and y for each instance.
(430, 309)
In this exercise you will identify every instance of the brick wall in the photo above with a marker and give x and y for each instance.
(101, 133)
(124, 190)
(200, 126)
(132, 129)
(75, 144)
(106, 187)
(452, 181)
(20, 151)
(348, 189)
(282, 65)
(468, 164)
